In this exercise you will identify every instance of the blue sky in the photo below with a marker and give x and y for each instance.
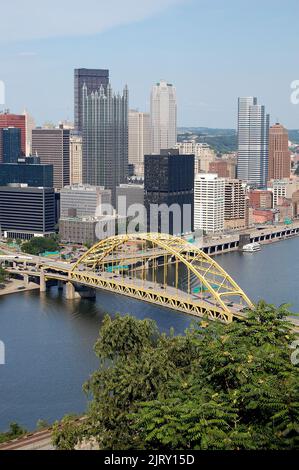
(212, 50)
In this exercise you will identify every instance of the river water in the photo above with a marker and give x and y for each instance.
(49, 341)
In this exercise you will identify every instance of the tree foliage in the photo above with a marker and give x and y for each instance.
(15, 431)
(3, 274)
(225, 387)
(38, 245)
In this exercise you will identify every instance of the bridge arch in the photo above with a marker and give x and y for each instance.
(211, 278)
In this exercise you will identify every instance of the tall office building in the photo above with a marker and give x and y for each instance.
(75, 159)
(53, 148)
(139, 139)
(26, 171)
(163, 117)
(26, 212)
(15, 120)
(83, 200)
(253, 142)
(10, 145)
(209, 200)
(105, 138)
(169, 182)
(30, 125)
(279, 155)
(92, 79)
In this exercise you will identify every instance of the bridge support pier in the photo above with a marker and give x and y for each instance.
(42, 282)
(60, 285)
(26, 279)
(70, 292)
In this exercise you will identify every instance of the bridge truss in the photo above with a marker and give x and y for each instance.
(163, 270)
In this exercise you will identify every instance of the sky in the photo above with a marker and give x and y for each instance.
(212, 50)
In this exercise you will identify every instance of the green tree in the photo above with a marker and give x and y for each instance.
(38, 245)
(15, 431)
(3, 275)
(224, 387)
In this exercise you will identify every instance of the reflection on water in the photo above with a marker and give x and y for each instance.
(49, 341)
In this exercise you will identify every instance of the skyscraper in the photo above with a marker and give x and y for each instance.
(10, 142)
(92, 79)
(15, 120)
(163, 117)
(53, 148)
(105, 138)
(75, 158)
(139, 139)
(279, 155)
(253, 142)
(169, 192)
(209, 199)
(30, 125)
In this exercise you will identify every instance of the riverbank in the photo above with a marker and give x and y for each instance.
(14, 286)
(214, 245)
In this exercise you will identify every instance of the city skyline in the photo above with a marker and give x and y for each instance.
(134, 49)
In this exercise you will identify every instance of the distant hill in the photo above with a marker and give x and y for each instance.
(294, 136)
(220, 140)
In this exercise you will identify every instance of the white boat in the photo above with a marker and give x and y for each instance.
(251, 247)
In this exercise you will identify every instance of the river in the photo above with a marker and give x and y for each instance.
(49, 341)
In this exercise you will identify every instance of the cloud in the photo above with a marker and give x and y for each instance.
(33, 19)
(27, 54)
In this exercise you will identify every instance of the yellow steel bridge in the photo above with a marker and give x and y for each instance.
(163, 270)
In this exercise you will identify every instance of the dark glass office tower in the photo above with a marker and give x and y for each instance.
(26, 212)
(10, 142)
(27, 171)
(105, 138)
(93, 79)
(169, 181)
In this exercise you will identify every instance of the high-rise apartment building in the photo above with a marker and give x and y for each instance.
(92, 79)
(163, 116)
(209, 203)
(15, 120)
(75, 159)
(10, 145)
(253, 142)
(53, 148)
(169, 192)
(105, 138)
(139, 139)
(279, 155)
(234, 204)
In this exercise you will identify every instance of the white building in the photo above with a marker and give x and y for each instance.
(283, 189)
(75, 159)
(30, 125)
(83, 201)
(163, 117)
(203, 153)
(139, 139)
(209, 203)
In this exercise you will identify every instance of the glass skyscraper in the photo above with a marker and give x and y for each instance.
(253, 142)
(10, 141)
(105, 138)
(92, 79)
